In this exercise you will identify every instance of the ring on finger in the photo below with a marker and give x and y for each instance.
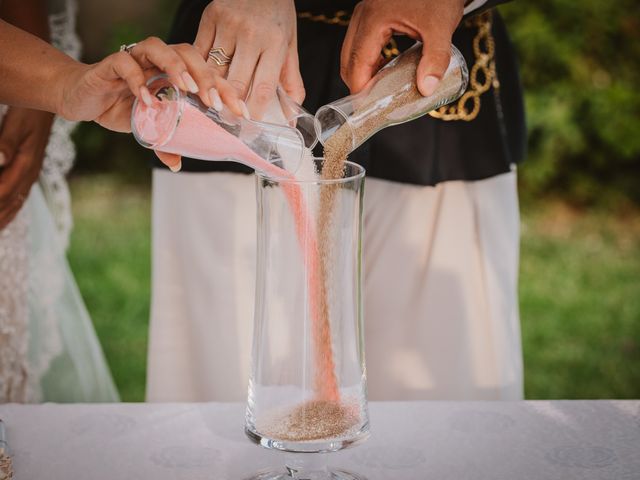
(219, 56)
(128, 48)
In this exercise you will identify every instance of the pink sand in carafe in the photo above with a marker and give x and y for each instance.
(196, 135)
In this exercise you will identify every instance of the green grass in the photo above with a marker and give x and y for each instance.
(579, 291)
(580, 303)
(110, 256)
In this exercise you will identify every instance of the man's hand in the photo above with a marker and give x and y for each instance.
(375, 21)
(23, 138)
(260, 36)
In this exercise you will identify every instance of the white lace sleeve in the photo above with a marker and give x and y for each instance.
(60, 152)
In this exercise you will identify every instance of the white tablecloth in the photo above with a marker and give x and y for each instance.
(417, 440)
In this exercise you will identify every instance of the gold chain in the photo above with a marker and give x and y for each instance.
(341, 18)
(481, 77)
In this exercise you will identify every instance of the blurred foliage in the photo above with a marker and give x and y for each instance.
(580, 64)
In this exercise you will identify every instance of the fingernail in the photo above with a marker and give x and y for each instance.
(245, 110)
(216, 100)
(429, 85)
(189, 82)
(176, 168)
(146, 96)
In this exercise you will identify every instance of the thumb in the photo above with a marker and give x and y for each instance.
(434, 63)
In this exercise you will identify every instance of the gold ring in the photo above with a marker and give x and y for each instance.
(219, 56)
(128, 48)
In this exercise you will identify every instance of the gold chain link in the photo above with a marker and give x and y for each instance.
(341, 18)
(481, 77)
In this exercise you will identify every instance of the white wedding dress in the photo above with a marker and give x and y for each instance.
(48, 347)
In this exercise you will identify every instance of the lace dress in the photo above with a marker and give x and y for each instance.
(48, 347)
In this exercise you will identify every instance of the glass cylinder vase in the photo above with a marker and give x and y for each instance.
(307, 390)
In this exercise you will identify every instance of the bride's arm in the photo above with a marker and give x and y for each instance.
(24, 133)
(31, 70)
(33, 74)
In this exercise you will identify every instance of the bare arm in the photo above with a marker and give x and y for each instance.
(35, 75)
(24, 133)
(31, 70)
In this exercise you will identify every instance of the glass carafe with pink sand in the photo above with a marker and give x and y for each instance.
(178, 122)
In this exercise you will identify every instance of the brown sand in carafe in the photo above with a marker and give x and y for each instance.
(327, 416)
(398, 81)
(393, 98)
(314, 420)
(336, 150)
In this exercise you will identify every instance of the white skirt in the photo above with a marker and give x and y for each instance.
(440, 289)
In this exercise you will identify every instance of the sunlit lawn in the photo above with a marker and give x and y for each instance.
(579, 291)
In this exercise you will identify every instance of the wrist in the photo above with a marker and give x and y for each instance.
(65, 82)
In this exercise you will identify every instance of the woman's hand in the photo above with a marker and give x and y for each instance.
(375, 21)
(104, 92)
(260, 36)
(23, 138)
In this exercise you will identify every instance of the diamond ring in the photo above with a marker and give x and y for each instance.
(128, 48)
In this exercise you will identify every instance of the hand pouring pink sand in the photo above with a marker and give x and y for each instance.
(179, 123)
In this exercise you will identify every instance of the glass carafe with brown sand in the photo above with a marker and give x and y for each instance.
(391, 97)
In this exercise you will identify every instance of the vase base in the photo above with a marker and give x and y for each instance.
(313, 447)
(291, 474)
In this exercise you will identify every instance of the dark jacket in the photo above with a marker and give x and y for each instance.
(425, 151)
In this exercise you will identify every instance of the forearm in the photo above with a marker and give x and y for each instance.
(31, 70)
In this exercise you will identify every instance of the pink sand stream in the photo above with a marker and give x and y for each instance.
(197, 135)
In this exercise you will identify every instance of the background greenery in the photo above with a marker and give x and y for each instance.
(580, 188)
(580, 68)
